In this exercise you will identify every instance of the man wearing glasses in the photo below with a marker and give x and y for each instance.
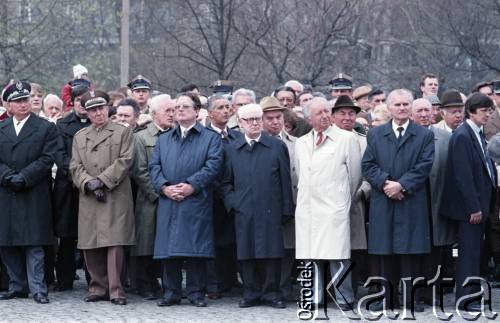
(257, 189)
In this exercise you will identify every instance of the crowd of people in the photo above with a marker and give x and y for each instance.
(136, 186)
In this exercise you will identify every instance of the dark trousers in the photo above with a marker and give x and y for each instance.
(22, 263)
(439, 258)
(287, 274)
(469, 255)
(172, 278)
(66, 262)
(222, 271)
(49, 264)
(394, 268)
(146, 273)
(105, 266)
(261, 279)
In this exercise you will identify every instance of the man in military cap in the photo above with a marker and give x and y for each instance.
(27, 152)
(452, 110)
(341, 85)
(100, 162)
(222, 87)
(141, 91)
(274, 124)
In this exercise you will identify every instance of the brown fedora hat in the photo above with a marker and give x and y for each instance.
(270, 103)
(451, 98)
(344, 101)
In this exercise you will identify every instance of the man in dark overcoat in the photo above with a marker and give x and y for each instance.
(65, 194)
(185, 164)
(469, 192)
(258, 189)
(27, 151)
(396, 163)
(222, 271)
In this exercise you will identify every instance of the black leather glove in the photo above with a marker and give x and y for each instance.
(17, 183)
(100, 195)
(93, 185)
(7, 177)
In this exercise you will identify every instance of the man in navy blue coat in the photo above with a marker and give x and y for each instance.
(257, 188)
(397, 162)
(184, 167)
(470, 185)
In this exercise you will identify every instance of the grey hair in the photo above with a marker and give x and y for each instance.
(306, 110)
(214, 98)
(52, 96)
(295, 82)
(243, 91)
(155, 102)
(421, 100)
(398, 92)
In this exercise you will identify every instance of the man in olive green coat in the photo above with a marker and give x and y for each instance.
(162, 112)
(100, 163)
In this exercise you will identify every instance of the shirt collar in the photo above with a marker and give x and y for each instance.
(22, 122)
(218, 130)
(396, 126)
(250, 139)
(474, 126)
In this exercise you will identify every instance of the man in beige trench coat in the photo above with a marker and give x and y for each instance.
(328, 163)
(102, 156)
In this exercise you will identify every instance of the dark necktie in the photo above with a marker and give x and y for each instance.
(320, 139)
(400, 135)
(252, 143)
(487, 156)
(223, 134)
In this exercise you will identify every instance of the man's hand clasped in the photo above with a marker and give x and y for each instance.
(393, 190)
(96, 187)
(178, 192)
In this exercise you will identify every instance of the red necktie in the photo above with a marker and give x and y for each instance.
(320, 139)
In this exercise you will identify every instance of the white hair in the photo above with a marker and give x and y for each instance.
(156, 101)
(251, 110)
(425, 101)
(246, 92)
(306, 110)
(54, 97)
(293, 83)
(399, 92)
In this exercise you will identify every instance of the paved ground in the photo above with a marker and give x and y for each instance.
(69, 307)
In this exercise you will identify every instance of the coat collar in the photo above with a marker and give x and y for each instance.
(197, 128)
(153, 130)
(29, 127)
(475, 143)
(388, 132)
(265, 139)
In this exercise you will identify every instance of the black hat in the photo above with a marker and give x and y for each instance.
(496, 86)
(481, 85)
(93, 99)
(80, 82)
(451, 98)
(139, 82)
(344, 101)
(16, 91)
(222, 86)
(341, 82)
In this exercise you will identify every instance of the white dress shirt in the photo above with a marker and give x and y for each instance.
(18, 125)
(396, 126)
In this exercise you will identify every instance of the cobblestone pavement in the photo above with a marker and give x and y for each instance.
(69, 307)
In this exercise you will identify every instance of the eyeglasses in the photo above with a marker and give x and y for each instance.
(252, 120)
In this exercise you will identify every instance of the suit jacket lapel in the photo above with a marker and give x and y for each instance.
(476, 145)
(389, 134)
(410, 131)
(29, 127)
